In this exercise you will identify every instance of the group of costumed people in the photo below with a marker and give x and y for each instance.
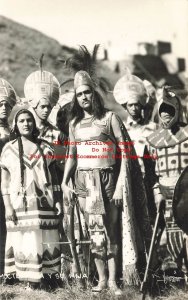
(114, 190)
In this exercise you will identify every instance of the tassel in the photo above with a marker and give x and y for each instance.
(25, 201)
(130, 275)
(40, 63)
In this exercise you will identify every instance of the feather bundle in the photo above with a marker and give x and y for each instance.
(39, 62)
(83, 60)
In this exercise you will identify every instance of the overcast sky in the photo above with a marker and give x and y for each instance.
(119, 23)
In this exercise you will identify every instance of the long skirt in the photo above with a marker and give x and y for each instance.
(31, 254)
(2, 237)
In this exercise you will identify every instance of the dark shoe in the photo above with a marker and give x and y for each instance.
(51, 282)
(9, 279)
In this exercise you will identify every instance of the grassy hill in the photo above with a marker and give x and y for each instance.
(19, 44)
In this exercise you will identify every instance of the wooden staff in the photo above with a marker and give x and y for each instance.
(144, 287)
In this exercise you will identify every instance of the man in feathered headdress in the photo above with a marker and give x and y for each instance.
(170, 144)
(102, 180)
(7, 101)
(42, 92)
(130, 92)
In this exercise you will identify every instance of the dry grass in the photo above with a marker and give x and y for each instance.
(18, 292)
(19, 44)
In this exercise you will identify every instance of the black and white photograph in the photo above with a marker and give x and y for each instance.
(94, 149)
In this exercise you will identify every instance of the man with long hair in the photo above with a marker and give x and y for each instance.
(101, 177)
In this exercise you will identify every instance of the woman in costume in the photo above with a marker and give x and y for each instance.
(32, 204)
(7, 101)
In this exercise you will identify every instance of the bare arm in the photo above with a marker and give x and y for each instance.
(118, 194)
(5, 181)
(70, 167)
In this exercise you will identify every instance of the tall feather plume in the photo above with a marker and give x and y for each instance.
(86, 61)
(39, 62)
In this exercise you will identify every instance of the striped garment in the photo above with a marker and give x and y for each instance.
(28, 251)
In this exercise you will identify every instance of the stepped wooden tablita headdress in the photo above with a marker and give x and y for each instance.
(130, 87)
(7, 92)
(41, 84)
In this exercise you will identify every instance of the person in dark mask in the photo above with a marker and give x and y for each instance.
(170, 145)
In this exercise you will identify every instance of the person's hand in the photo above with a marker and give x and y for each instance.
(159, 201)
(10, 214)
(59, 208)
(68, 194)
(117, 198)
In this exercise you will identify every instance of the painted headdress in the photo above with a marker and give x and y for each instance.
(41, 84)
(130, 87)
(7, 92)
(169, 97)
(82, 78)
